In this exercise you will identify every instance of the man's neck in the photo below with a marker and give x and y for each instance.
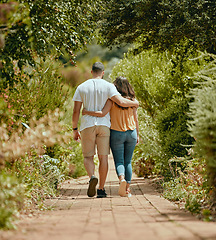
(97, 76)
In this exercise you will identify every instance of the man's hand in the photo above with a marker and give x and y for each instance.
(76, 135)
(84, 111)
(124, 102)
(137, 103)
(75, 119)
(137, 140)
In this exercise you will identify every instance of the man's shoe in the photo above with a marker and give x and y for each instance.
(92, 186)
(101, 193)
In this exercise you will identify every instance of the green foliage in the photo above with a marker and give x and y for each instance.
(105, 54)
(34, 95)
(22, 153)
(32, 28)
(52, 169)
(147, 154)
(188, 186)
(148, 73)
(173, 190)
(202, 110)
(71, 155)
(161, 82)
(11, 199)
(202, 125)
(158, 23)
(172, 127)
(159, 77)
(36, 173)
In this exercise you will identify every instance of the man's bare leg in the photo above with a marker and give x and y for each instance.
(90, 168)
(103, 170)
(89, 165)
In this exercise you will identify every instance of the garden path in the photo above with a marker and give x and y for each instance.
(145, 215)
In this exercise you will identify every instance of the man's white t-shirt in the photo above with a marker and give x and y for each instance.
(94, 93)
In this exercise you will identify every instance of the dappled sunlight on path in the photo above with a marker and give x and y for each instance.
(145, 215)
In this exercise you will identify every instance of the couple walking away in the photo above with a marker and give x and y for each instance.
(109, 120)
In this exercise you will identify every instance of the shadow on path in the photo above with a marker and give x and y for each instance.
(144, 216)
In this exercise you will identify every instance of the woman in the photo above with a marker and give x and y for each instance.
(124, 133)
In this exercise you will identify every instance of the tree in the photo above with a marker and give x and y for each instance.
(32, 28)
(161, 23)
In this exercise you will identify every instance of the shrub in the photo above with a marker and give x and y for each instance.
(45, 131)
(203, 124)
(188, 186)
(159, 77)
(173, 190)
(38, 94)
(148, 73)
(173, 132)
(11, 199)
(161, 82)
(20, 156)
(147, 154)
(70, 155)
(52, 171)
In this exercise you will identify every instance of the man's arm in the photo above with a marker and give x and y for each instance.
(137, 123)
(124, 102)
(75, 119)
(101, 113)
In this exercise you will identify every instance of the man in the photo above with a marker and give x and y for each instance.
(93, 94)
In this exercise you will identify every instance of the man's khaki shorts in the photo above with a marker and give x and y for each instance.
(92, 136)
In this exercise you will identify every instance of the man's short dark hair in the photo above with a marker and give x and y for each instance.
(98, 67)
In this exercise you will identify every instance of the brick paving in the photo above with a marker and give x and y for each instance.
(145, 215)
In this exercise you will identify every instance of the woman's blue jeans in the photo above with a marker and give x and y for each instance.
(122, 145)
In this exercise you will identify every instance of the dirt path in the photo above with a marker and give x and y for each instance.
(146, 215)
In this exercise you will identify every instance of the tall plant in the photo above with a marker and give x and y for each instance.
(34, 94)
(161, 82)
(203, 113)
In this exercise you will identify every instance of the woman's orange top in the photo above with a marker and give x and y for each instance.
(122, 119)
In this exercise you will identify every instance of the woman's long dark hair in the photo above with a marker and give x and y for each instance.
(124, 88)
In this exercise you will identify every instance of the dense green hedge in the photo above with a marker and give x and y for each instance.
(202, 125)
(161, 82)
(172, 127)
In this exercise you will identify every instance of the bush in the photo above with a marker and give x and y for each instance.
(147, 154)
(52, 171)
(158, 77)
(203, 124)
(173, 131)
(43, 132)
(21, 154)
(70, 155)
(188, 186)
(11, 199)
(35, 95)
(161, 82)
(173, 190)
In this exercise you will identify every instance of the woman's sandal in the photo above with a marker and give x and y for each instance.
(128, 193)
(122, 188)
